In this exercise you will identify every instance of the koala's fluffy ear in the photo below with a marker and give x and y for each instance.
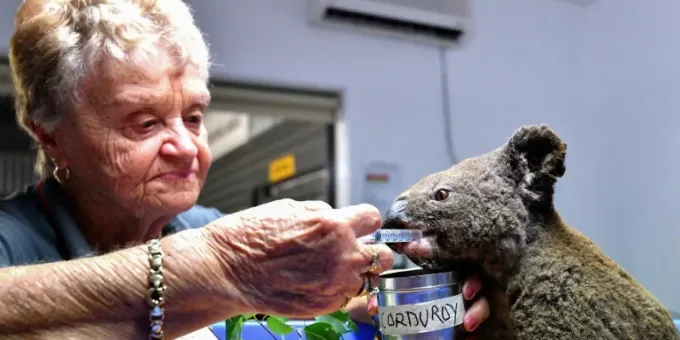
(536, 158)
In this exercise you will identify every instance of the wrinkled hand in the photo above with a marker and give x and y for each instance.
(298, 259)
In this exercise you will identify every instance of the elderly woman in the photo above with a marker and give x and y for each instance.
(110, 243)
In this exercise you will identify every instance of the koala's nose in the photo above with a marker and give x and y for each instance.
(395, 217)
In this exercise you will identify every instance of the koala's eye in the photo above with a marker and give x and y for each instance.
(441, 194)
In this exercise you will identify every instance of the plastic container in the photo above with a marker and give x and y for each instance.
(254, 331)
(416, 304)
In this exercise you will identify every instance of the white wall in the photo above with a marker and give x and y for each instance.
(633, 87)
(7, 10)
(582, 70)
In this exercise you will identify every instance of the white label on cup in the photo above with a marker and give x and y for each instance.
(422, 317)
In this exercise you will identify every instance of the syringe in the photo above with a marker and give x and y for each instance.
(392, 236)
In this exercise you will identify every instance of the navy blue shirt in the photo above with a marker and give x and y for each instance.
(36, 231)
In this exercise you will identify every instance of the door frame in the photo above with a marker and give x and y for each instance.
(309, 98)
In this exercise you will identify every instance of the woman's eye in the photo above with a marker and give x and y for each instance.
(196, 119)
(148, 124)
(441, 194)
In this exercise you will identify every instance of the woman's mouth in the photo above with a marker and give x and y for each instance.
(177, 175)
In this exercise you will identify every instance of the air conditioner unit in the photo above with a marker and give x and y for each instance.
(439, 22)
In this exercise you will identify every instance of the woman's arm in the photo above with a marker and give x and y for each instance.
(105, 296)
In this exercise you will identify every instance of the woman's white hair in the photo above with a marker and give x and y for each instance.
(57, 43)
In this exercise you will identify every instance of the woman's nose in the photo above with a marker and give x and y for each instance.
(180, 144)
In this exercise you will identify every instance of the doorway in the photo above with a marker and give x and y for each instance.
(270, 142)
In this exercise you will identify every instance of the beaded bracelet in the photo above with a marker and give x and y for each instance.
(156, 296)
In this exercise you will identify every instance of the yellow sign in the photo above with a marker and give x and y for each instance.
(282, 168)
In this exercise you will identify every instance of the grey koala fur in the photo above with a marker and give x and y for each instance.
(493, 216)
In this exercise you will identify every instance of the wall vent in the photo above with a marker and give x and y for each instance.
(439, 22)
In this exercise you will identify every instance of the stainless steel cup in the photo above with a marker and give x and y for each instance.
(416, 304)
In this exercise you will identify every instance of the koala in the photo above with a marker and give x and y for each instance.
(493, 216)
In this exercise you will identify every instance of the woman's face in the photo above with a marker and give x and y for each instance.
(137, 138)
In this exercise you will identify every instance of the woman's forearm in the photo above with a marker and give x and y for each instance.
(65, 296)
(105, 296)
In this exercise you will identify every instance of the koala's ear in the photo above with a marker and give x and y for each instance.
(536, 156)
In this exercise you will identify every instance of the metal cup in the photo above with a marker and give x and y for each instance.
(416, 304)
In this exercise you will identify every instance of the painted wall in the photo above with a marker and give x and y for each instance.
(605, 86)
(7, 10)
(632, 86)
